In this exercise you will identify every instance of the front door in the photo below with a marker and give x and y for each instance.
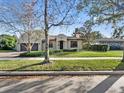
(61, 44)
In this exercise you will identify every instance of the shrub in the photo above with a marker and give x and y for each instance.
(32, 54)
(69, 50)
(38, 53)
(7, 42)
(55, 51)
(100, 47)
(86, 46)
(116, 47)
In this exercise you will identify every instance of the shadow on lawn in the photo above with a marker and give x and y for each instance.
(30, 65)
(119, 67)
(26, 66)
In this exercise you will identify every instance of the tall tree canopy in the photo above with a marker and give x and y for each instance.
(26, 15)
(107, 11)
(7, 42)
(87, 33)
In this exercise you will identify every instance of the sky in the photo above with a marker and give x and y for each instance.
(68, 30)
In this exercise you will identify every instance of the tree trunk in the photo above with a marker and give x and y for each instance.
(28, 48)
(46, 60)
(29, 44)
(123, 56)
(88, 41)
(46, 47)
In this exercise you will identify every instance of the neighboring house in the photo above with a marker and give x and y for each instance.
(113, 43)
(56, 42)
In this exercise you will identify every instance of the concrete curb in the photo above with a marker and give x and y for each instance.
(57, 73)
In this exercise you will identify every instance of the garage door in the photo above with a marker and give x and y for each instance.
(34, 48)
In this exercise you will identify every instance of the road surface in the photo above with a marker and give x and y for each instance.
(63, 84)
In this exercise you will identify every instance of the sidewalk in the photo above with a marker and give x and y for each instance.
(62, 58)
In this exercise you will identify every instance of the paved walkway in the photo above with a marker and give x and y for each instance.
(63, 84)
(9, 54)
(64, 58)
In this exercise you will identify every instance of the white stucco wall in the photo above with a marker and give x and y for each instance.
(55, 40)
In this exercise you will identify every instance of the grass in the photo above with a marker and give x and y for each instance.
(7, 50)
(61, 65)
(89, 54)
(75, 54)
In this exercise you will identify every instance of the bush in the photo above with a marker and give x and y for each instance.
(69, 50)
(86, 46)
(32, 54)
(7, 42)
(115, 47)
(38, 53)
(100, 48)
(55, 51)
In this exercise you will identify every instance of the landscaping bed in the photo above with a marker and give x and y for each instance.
(60, 53)
(61, 65)
(38, 53)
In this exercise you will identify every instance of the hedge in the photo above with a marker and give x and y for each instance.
(38, 53)
(69, 50)
(100, 47)
(115, 47)
(55, 51)
(32, 54)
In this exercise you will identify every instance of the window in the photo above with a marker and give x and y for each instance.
(73, 44)
(50, 44)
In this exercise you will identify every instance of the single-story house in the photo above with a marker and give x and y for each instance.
(113, 43)
(56, 42)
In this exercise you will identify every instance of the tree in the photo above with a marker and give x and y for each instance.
(118, 33)
(56, 13)
(49, 13)
(87, 33)
(7, 42)
(97, 35)
(34, 35)
(20, 18)
(106, 11)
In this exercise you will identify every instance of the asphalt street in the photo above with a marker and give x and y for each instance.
(63, 84)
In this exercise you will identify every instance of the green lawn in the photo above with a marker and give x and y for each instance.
(89, 54)
(62, 65)
(7, 50)
(75, 54)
